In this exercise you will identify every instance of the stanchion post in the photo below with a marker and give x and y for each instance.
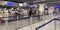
(17, 24)
(54, 24)
(31, 23)
(6, 23)
(16, 18)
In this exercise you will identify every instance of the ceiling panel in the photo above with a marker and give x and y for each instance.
(38, 1)
(31, 0)
(24, 0)
(20, 0)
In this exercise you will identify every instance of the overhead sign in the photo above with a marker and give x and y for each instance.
(56, 6)
(9, 3)
(21, 4)
(28, 5)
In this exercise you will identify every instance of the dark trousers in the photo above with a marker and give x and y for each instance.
(17, 15)
(29, 15)
(38, 16)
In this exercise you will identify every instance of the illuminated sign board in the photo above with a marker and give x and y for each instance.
(9, 3)
(28, 5)
(21, 4)
(56, 6)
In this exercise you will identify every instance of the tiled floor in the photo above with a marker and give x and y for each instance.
(50, 26)
(57, 25)
(26, 24)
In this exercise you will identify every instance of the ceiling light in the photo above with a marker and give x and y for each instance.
(42, 0)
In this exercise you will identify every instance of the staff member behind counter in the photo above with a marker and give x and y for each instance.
(1, 15)
(30, 12)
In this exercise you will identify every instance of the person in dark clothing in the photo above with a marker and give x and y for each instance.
(17, 13)
(30, 12)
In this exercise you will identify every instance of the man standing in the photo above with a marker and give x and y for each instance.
(18, 13)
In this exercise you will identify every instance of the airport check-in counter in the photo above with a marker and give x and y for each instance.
(18, 23)
(9, 24)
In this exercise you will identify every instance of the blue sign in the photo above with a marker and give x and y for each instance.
(28, 5)
(56, 6)
(9, 3)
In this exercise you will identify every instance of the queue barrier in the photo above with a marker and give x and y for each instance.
(17, 21)
(15, 24)
(16, 18)
(44, 25)
(56, 19)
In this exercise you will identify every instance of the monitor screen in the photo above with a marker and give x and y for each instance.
(20, 4)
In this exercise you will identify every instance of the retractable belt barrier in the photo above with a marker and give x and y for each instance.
(16, 18)
(47, 23)
(43, 25)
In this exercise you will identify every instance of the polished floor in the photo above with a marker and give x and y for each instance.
(50, 26)
(31, 23)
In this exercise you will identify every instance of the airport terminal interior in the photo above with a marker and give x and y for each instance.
(29, 14)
